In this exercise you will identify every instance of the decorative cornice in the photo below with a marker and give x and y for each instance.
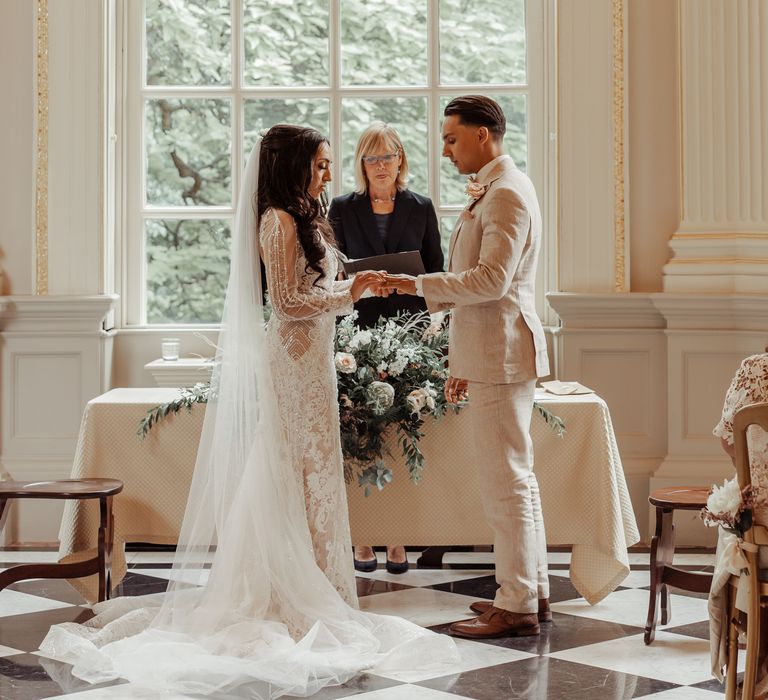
(709, 312)
(53, 314)
(619, 226)
(41, 173)
(604, 310)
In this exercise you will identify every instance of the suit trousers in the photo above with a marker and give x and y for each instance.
(501, 421)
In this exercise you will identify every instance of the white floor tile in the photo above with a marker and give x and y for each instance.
(425, 577)
(408, 692)
(630, 607)
(474, 655)
(24, 557)
(124, 691)
(423, 606)
(672, 657)
(637, 579)
(154, 557)
(686, 694)
(17, 603)
(468, 558)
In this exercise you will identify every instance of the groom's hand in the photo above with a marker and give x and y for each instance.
(402, 284)
(456, 390)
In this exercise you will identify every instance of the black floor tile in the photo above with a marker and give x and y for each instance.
(560, 588)
(29, 677)
(564, 632)
(696, 629)
(25, 632)
(51, 589)
(370, 586)
(545, 678)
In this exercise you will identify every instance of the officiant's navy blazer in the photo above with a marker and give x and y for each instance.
(412, 226)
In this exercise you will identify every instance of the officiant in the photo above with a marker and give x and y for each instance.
(383, 216)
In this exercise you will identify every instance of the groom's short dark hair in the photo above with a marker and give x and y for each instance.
(478, 110)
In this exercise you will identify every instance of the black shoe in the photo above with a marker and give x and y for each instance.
(397, 567)
(366, 565)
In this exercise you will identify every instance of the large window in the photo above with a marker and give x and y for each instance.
(203, 76)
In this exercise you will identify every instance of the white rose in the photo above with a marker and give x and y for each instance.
(725, 499)
(381, 395)
(417, 399)
(345, 362)
(361, 338)
(430, 403)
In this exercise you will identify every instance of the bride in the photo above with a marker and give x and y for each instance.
(262, 596)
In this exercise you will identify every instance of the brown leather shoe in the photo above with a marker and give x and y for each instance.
(496, 622)
(545, 614)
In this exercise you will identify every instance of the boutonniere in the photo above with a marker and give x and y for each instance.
(475, 190)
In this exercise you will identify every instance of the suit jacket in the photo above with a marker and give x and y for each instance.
(412, 226)
(495, 334)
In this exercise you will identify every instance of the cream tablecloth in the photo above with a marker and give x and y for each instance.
(584, 495)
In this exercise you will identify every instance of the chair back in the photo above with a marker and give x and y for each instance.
(756, 414)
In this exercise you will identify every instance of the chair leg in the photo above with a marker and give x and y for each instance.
(753, 642)
(104, 516)
(662, 550)
(732, 643)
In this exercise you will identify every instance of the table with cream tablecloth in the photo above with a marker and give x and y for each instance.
(584, 494)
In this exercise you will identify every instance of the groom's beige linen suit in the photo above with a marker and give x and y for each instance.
(498, 345)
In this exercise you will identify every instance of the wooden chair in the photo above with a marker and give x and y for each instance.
(80, 489)
(757, 414)
(663, 573)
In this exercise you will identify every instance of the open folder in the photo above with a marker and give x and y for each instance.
(407, 263)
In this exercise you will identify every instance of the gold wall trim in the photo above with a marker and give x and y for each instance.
(41, 153)
(619, 230)
(719, 235)
(718, 261)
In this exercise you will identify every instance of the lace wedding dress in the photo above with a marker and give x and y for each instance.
(261, 601)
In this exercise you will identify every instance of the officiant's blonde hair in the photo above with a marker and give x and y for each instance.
(379, 135)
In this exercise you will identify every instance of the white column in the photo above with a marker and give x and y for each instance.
(55, 357)
(722, 242)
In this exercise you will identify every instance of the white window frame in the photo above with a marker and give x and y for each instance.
(541, 133)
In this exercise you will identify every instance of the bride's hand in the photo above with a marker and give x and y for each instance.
(369, 279)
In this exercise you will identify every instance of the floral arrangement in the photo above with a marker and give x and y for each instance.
(730, 507)
(391, 377)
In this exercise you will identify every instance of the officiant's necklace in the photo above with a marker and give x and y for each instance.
(378, 200)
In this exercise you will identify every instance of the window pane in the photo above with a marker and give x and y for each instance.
(407, 115)
(262, 114)
(187, 270)
(384, 43)
(285, 42)
(447, 224)
(515, 141)
(482, 42)
(188, 152)
(188, 42)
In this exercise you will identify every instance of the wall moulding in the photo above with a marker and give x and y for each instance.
(41, 151)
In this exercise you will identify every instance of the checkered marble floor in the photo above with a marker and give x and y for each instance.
(590, 652)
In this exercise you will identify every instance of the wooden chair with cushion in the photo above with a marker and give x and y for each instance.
(757, 414)
(80, 489)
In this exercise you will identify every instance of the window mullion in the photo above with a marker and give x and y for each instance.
(335, 96)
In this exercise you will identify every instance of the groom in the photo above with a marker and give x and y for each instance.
(497, 350)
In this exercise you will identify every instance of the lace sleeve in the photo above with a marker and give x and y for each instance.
(750, 385)
(280, 252)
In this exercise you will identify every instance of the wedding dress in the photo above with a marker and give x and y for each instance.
(266, 520)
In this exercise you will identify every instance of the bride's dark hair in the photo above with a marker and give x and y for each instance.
(285, 171)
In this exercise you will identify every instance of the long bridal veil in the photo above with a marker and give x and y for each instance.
(247, 610)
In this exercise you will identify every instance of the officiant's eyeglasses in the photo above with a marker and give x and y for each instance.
(373, 160)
